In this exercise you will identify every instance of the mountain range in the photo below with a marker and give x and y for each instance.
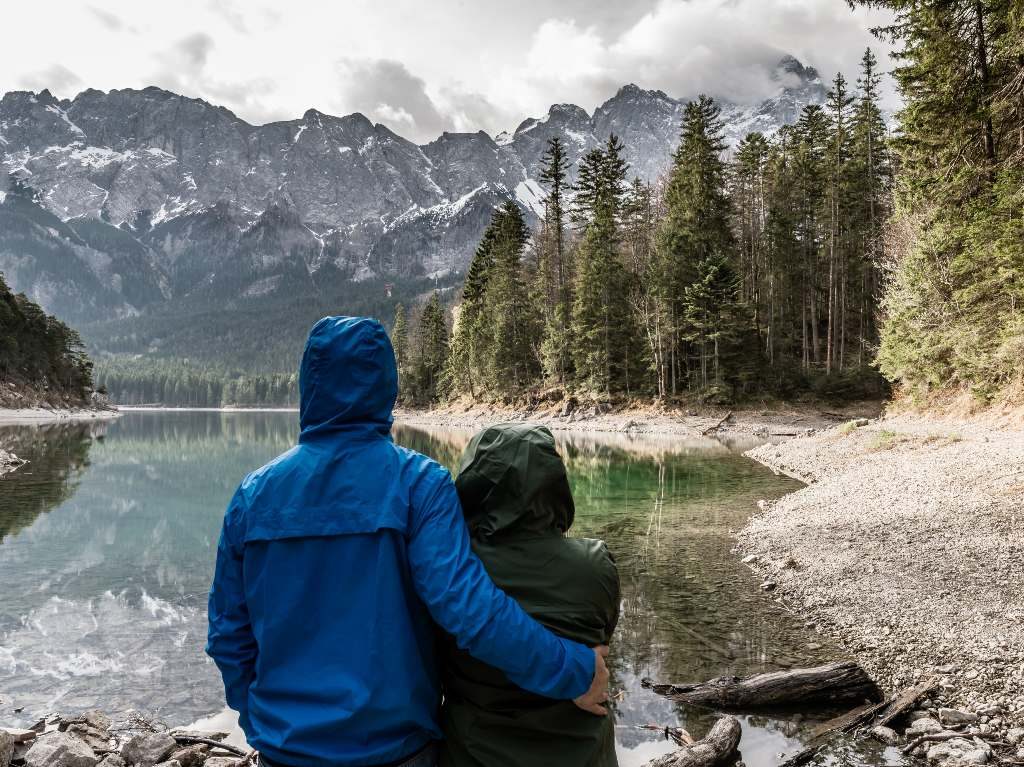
(131, 212)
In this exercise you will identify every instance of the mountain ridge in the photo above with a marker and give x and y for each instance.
(181, 183)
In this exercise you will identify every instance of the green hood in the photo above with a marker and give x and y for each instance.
(511, 481)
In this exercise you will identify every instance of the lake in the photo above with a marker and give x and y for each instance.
(108, 537)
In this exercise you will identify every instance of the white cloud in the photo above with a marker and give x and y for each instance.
(425, 67)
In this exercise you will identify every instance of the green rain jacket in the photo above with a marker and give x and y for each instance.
(517, 503)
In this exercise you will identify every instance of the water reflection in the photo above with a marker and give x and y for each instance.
(109, 537)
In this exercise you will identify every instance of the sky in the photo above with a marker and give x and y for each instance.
(426, 66)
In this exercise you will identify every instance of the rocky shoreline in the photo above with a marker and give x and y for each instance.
(572, 415)
(93, 739)
(41, 415)
(9, 461)
(907, 547)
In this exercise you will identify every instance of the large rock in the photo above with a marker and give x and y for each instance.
(960, 751)
(954, 716)
(191, 756)
(60, 749)
(148, 749)
(886, 735)
(6, 748)
(923, 726)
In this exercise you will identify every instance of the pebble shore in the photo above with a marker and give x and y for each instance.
(908, 547)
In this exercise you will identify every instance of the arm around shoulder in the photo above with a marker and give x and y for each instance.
(464, 601)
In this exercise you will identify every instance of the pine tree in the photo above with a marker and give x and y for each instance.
(695, 229)
(470, 340)
(400, 342)
(511, 363)
(554, 272)
(838, 157)
(871, 181)
(433, 349)
(601, 326)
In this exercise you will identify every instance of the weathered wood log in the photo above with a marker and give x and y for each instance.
(717, 426)
(901, 702)
(888, 710)
(823, 684)
(718, 747)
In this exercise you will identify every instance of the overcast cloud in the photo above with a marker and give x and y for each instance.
(422, 68)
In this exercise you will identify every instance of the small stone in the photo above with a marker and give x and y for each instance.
(913, 716)
(886, 735)
(953, 716)
(98, 740)
(169, 763)
(221, 761)
(191, 756)
(749, 558)
(768, 586)
(1015, 736)
(149, 748)
(60, 749)
(112, 760)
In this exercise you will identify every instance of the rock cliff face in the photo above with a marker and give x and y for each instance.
(121, 202)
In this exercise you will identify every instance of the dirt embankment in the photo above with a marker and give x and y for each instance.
(768, 421)
(908, 546)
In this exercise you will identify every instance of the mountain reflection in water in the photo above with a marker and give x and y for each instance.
(109, 535)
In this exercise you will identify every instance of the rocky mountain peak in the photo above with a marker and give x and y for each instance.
(790, 71)
(225, 207)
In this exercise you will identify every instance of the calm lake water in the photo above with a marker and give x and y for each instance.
(108, 536)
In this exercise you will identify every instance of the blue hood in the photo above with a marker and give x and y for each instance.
(348, 377)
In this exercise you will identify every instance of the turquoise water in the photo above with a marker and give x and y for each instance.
(108, 540)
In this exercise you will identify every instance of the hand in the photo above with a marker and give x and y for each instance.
(598, 693)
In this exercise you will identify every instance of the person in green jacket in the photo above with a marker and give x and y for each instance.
(518, 506)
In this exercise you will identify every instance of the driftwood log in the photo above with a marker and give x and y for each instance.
(872, 715)
(718, 747)
(717, 426)
(831, 683)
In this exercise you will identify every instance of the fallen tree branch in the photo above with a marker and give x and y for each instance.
(888, 710)
(934, 737)
(189, 740)
(715, 748)
(717, 426)
(822, 684)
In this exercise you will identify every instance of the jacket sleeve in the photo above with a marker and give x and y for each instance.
(484, 621)
(230, 641)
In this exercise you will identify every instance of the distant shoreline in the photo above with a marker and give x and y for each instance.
(39, 416)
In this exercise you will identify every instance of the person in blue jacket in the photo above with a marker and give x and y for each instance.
(334, 563)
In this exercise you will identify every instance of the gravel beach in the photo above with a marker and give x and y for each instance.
(908, 546)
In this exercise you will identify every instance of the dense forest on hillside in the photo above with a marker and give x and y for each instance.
(42, 360)
(731, 277)
(236, 355)
(954, 307)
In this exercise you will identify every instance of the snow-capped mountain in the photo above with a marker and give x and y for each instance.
(125, 201)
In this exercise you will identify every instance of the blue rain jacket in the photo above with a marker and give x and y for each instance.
(334, 561)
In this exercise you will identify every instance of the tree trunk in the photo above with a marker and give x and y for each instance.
(716, 748)
(822, 684)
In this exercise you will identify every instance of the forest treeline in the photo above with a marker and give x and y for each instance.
(954, 305)
(727, 278)
(41, 358)
(136, 381)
